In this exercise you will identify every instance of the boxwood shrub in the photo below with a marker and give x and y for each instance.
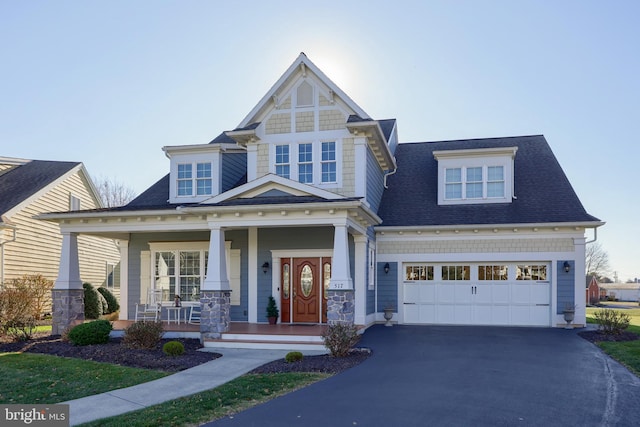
(96, 332)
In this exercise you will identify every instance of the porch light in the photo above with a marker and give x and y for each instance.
(567, 266)
(386, 268)
(265, 267)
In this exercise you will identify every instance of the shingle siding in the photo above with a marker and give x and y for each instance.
(566, 287)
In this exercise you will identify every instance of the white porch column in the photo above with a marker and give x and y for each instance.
(69, 268)
(360, 281)
(340, 268)
(215, 293)
(123, 245)
(252, 276)
(67, 295)
(217, 279)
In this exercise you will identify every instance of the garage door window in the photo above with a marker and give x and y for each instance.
(531, 272)
(493, 272)
(455, 272)
(418, 272)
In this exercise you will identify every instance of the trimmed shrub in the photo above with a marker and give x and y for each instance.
(173, 348)
(112, 302)
(96, 332)
(339, 338)
(612, 322)
(293, 356)
(17, 313)
(94, 302)
(143, 334)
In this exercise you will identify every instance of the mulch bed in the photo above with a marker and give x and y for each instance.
(116, 353)
(597, 336)
(324, 363)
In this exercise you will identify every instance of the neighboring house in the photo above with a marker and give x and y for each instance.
(593, 290)
(311, 200)
(621, 291)
(29, 246)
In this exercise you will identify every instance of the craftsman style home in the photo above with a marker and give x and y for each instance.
(313, 202)
(29, 246)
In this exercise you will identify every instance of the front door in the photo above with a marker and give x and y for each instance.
(303, 293)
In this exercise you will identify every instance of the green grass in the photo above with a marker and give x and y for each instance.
(625, 352)
(39, 378)
(228, 399)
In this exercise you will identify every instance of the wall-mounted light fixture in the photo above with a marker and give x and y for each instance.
(567, 266)
(386, 268)
(265, 267)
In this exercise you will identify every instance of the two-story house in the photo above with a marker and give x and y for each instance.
(312, 201)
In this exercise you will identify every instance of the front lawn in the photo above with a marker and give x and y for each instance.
(630, 308)
(39, 378)
(227, 399)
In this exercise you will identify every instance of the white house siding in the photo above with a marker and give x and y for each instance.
(37, 246)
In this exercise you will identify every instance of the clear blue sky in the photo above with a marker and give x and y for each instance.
(109, 83)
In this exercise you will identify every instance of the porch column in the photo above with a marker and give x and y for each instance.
(123, 245)
(67, 295)
(340, 301)
(360, 279)
(215, 293)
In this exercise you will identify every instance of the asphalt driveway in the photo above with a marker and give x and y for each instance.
(464, 376)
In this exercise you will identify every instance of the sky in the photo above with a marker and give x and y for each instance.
(110, 83)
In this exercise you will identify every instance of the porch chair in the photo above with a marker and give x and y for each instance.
(194, 314)
(151, 309)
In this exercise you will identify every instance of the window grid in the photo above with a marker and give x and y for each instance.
(455, 272)
(305, 163)
(493, 272)
(185, 183)
(282, 161)
(418, 272)
(183, 279)
(328, 162)
(531, 272)
(476, 182)
(203, 179)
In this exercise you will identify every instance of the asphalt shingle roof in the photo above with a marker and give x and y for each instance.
(21, 182)
(544, 194)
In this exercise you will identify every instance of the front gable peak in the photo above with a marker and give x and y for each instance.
(272, 186)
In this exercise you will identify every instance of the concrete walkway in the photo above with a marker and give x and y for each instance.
(232, 364)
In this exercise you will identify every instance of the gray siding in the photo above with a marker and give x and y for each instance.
(375, 181)
(387, 286)
(234, 167)
(240, 240)
(566, 289)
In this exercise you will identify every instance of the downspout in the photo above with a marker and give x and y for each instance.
(389, 174)
(595, 236)
(2, 243)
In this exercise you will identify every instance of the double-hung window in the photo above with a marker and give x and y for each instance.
(282, 161)
(185, 183)
(495, 181)
(328, 162)
(201, 182)
(179, 272)
(203, 179)
(305, 163)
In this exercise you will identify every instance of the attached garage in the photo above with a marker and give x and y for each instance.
(517, 294)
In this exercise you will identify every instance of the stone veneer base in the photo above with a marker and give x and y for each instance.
(67, 309)
(215, 317)
(340, 306)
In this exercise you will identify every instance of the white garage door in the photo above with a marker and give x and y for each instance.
(477, 294)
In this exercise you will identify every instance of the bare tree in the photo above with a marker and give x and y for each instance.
(597, 260)
(112, 192)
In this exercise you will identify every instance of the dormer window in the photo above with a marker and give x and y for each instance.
(475, 176)
(203, 179)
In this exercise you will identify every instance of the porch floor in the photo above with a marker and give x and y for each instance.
(247, 335)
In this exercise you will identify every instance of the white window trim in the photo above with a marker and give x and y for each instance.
(463, 159)
(316, 144)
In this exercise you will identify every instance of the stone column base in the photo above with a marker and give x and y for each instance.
(341, 307)
(215, 316)
(67, 309)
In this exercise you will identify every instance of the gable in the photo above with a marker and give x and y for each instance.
(23, 183)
